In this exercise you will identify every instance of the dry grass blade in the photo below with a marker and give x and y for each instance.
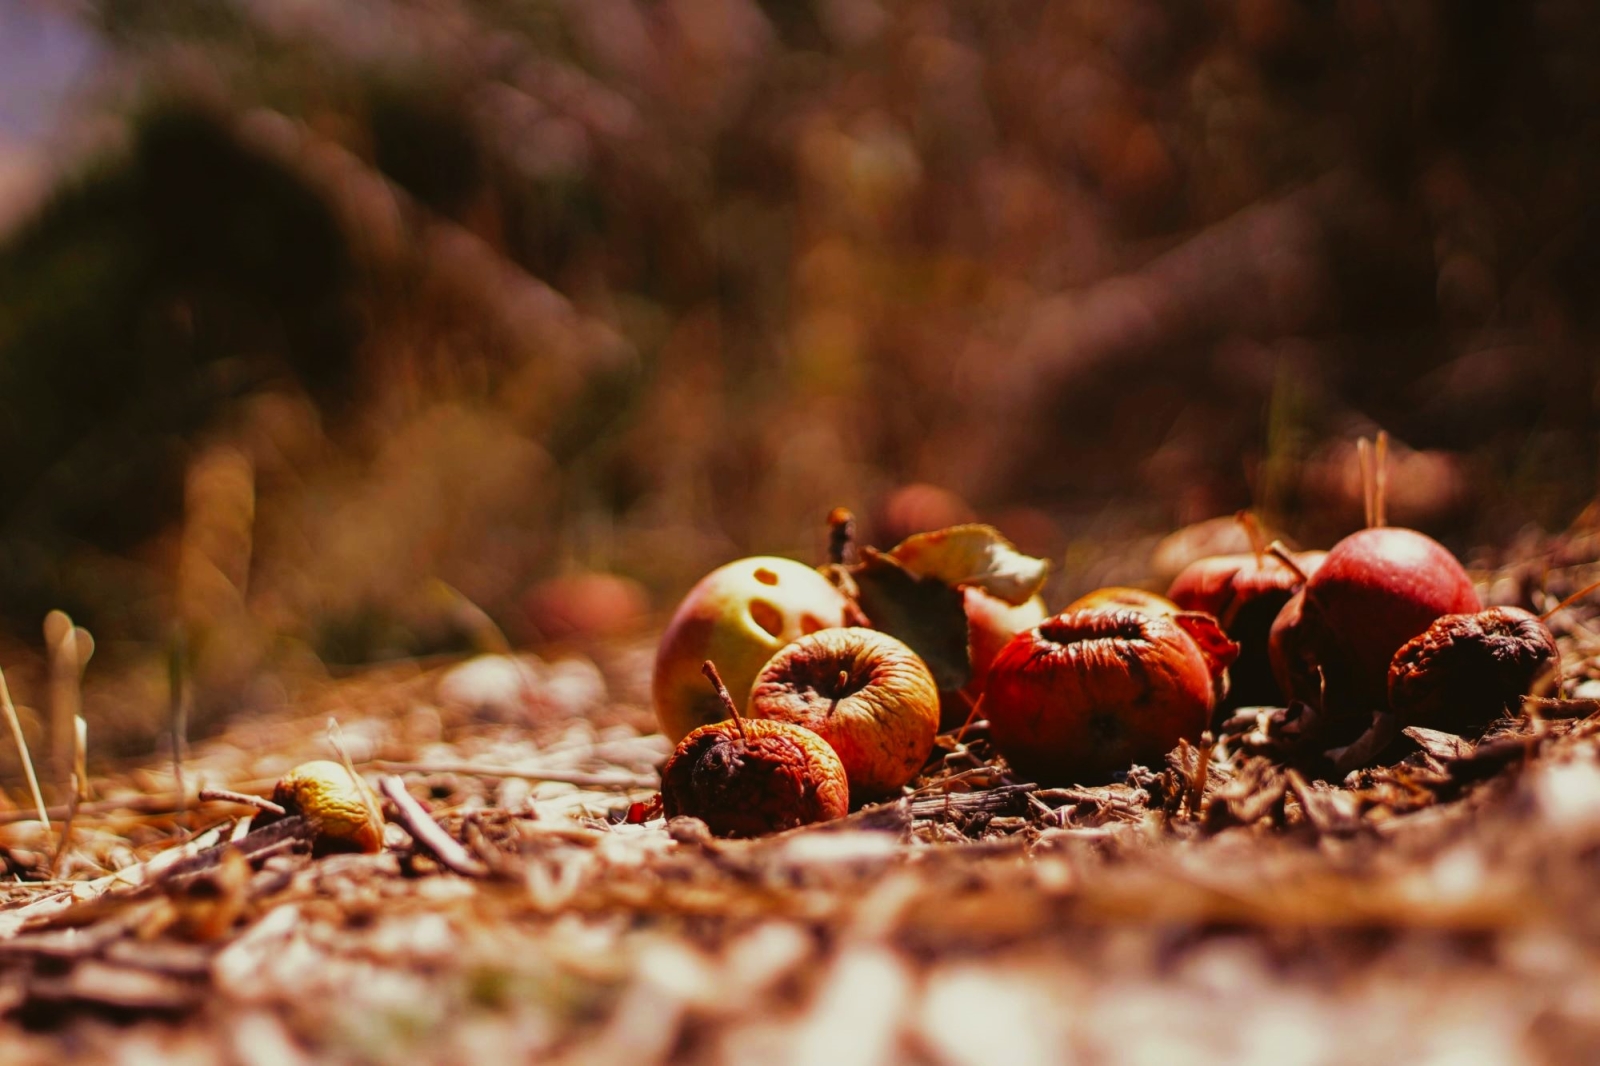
(22, 750)
(617, 781)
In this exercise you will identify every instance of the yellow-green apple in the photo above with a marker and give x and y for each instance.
(737, 616)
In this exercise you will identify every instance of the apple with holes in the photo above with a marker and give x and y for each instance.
(737, 616)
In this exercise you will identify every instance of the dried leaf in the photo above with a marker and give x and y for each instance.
(973, 555)
(926, 613)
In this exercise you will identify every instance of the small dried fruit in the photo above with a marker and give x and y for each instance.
(746, 779)
(1088, 693)
(865, 693)
(338, 807)
(1468, 669)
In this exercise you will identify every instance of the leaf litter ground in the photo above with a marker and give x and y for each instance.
(1221, 908)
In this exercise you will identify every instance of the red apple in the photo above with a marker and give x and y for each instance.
(1088, 693)
(738, 615)
(1376, 590)
(991, 623)
(1245, 593)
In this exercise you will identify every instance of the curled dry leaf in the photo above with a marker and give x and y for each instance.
(973, 554)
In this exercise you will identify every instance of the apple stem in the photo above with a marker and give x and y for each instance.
(1252, 529)
(972, 715)
(709, 668)
(1380, 479)
(1364, 456)
(1580, 594)
(841, 537)
(1281, 553)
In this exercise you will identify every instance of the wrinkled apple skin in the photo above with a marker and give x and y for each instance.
(754, 778)
(737, 616)
(1088, 693)
(865, 693)
(991, 623)
(1376, 590)
(1246, 593)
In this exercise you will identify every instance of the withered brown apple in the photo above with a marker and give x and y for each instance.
(865, 693)
(749, 778)
(1091, 692)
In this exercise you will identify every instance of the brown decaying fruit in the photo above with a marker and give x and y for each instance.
(738, 615)
(1245, 592)
(1376, 590)
(1088, 693)
(865, 693)
(1468, 669)
(337, 807)
(746, 779)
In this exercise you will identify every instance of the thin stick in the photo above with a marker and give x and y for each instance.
(22, 749)
(427, 832)
(1380, 479)
(1252, 529)
(178, 691)
(244, 799)
(60, 637)
(1580, 594)
(841, 537)
(1364, 454)
(336, 739)
(709, 668)
(621, 782)
(1279, 552)
(66, 828)
(972, 715)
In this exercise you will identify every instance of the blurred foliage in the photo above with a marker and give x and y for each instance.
(491, 292)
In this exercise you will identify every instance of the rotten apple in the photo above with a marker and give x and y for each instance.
(1091, 692)
(864, 692)
(1246, 592)
(738, 615)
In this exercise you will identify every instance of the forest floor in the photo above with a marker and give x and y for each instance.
(1218, 909)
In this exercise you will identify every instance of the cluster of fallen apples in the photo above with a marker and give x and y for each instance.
(847, 673)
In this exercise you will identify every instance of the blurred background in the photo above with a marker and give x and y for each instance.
(336, 332)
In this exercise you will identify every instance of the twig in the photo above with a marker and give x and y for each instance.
(620, 782)
(709, 668)
(1279, 552)
(22, 749)
(244, 799)
(336, 739)
(1364, 456)
(841, 537)
(972, 715)
(1380, 479)
(66, 829)
(427, 832)
(178, 691)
